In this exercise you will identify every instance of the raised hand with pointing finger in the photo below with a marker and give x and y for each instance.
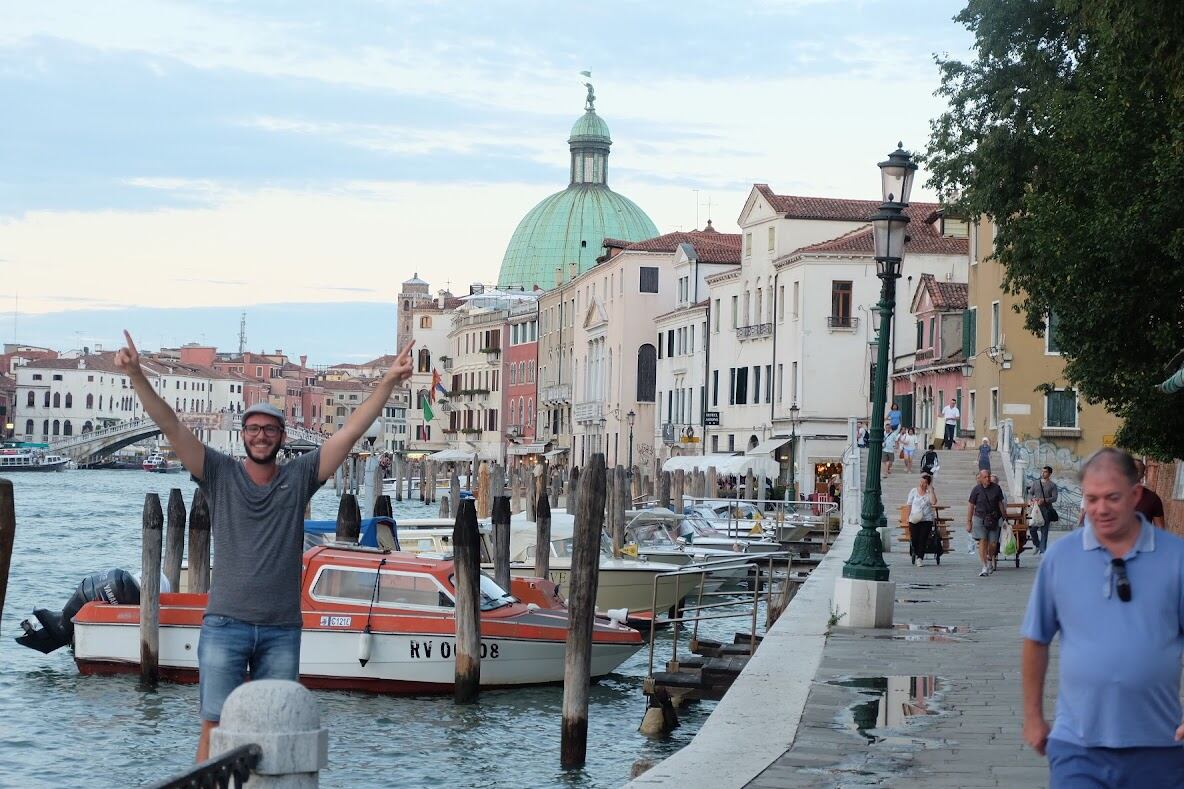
(127, 359)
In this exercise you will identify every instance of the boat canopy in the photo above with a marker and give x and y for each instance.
(453, 456)
(326, 531)
(726, 465)
(769, 445)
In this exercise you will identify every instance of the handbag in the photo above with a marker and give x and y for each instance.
(916, 512)
(901, 454)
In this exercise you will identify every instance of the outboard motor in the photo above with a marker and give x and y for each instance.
(114, 586)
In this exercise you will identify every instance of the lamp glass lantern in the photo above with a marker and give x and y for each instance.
(888, 237)
(630, 417)
(896, 176)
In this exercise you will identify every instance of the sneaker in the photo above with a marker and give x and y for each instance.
(983, 572)
(920, 562)
(914, 561)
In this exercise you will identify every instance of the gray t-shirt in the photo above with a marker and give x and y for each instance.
(258, 538)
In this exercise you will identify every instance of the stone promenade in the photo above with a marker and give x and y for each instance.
(961, 682)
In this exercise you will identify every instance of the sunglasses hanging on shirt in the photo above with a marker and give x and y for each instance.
(1119, 579)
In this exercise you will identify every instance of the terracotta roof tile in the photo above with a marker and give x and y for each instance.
(711, 245)
(946, 296)
(924, 237)
(797, 207)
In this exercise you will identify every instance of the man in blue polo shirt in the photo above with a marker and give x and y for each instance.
(1114, 590)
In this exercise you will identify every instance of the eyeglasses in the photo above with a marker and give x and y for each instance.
(1119, 579)
(271, 431)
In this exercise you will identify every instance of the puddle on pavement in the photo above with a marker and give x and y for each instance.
(922, 586)
(907, 600)
(895, 702)
(909, 626)
(912, 632)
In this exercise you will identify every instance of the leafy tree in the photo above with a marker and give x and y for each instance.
(1067, 129)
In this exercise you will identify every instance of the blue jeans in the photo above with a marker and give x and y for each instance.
(227, 649)
(1075, 767)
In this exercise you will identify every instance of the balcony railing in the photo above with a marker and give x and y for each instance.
(755, 330)
(590, 411)
(557, 393)
(842, 322)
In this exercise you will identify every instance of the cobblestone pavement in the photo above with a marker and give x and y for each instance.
(968, 734)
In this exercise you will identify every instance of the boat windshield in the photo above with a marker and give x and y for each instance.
(492, 595)
(701, 527)
(562, 548)
(649, 533)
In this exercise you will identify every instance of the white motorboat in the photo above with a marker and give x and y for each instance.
(30, 457)
(653, 533)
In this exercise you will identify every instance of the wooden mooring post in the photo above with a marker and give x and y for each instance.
(199, 544)
(383, 508)
(501, 541)
(349, 519)
(619, 483)
(484, 500)
(466, 553)
(7, 535)
(542, 544)
(573, 489)
(664, 490)
(151, 535)
(454, 493)
(174, 542)
(581, 604)
(397, 463)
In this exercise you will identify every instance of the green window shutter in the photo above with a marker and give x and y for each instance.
(968, 333)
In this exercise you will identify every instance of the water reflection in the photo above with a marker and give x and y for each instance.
(896, 700)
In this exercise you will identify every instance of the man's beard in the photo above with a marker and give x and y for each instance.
(270, 457)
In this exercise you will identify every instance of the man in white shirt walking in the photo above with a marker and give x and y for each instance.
(951, 414)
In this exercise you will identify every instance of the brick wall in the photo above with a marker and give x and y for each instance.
(1161, 478)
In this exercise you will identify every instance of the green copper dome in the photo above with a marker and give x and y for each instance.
(590, 128)
(570, 226)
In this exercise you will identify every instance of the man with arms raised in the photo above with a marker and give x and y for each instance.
(1114, 590)
(252, 620)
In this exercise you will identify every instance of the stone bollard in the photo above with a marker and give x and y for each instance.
(282, 718)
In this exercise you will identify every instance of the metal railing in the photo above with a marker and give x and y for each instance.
(755, 330)
(130, 426)
(842, 321)
(776, 597)
(234, 765)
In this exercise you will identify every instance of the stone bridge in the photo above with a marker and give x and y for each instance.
(93, 444)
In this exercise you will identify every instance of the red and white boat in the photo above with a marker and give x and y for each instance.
(410, 615)
(159, 464)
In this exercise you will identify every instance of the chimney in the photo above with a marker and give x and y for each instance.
(303, 360)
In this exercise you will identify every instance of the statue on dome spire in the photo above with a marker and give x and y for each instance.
(590, 103)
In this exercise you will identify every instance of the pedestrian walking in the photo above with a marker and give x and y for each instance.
(908, 446)
(929, 461)
(252, 620)
(891, 441)
(1149, 504)
(1114, 591)
(950, 414)
(922, 501)
(894, 416)
(862, 435)
(1043, 494)
(984, 456)
(984, 518)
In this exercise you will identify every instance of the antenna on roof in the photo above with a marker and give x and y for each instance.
(242, 333)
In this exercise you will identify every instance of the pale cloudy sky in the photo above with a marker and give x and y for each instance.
(217, 153)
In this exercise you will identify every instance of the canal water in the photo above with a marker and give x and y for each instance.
(61, 729)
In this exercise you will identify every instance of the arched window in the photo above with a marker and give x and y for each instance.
(647, 373)
(529, 411)
(425, 322)
(425, 360)
(752, 442)
(69, 400)
(31, 400)
(45, 400)
(57, 400)
(421, 397)
(67, 429)
(90, 401)
(29, 426)
(57, 426)
(45, 427)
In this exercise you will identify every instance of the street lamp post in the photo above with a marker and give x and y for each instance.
(888, 234)
(630, 417)
(793, 450)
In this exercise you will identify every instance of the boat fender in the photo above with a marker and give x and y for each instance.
(365, 644)
(114, 587)
(532, 606)
(618, 615)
